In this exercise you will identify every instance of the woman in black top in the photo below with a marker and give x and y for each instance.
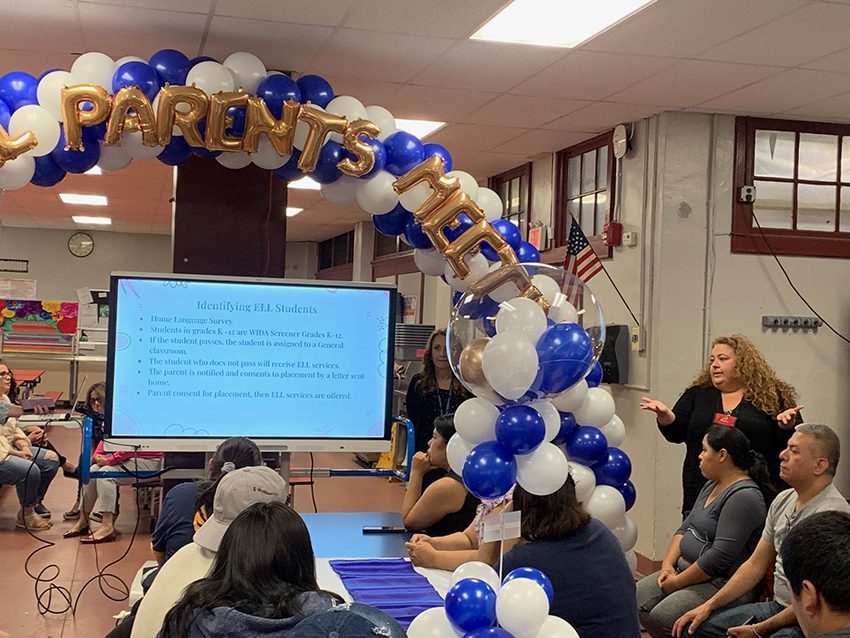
(433, 392)
(737, 388)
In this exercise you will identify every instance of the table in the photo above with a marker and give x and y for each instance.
(340, 535)
(27, 380)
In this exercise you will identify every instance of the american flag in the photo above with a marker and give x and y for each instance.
(581, 261)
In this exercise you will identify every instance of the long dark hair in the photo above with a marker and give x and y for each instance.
(238, 450)
(265, 562)
(13, 386)
(737, 445)
(552, 516)
(428, 379)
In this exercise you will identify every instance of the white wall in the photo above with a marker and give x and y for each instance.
(302, 260)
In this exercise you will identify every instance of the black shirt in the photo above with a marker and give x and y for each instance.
(454, 521)
(423, 407)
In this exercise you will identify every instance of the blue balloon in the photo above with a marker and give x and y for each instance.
(456, 295)
(47, 171)
(471, 604)
(98, 131)
(239, 115)
(76, 161)
(380, 157)
(415, 236)
(199, 59)
(615, 469)
(464, 224)
(171, 66)
(533, 574)
(200, 151)
(277, 89)
(520, 428)
(488, 325)
(489, 632)
(175, 152)
(394, 222)
(438, 149)
(404, 151)
(588, 446)
(564, 352)
(594, 377)
(475, 308)
(629, 493)
(315, 89)
(527, 253)
(568, 428)
(18, 89)
(489, 470)
(326, 171)
(5, 114)
(509, 231)
(290, 171)
(138, 74)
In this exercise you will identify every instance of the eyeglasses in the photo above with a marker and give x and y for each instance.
(6, 375)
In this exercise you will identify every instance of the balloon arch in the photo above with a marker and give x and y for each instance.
(524, 339)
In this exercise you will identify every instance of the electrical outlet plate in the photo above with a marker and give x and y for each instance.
(635, 338)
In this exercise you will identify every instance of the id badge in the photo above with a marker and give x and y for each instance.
(724, 419)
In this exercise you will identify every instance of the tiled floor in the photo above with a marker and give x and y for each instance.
(74, 567)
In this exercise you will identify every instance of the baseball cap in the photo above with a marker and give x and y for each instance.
(238, 490)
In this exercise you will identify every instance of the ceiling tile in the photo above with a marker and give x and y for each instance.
(838, 62)
(367, 91)
(834, 109)
(601, 116)
(439, 104)
(473, 138)
(443, 18)
(55, 23)
(521, 110)
(186, 6)
(482, 164)
(540, 141)
(321, 12)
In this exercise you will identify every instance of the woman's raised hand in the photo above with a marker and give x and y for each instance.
(663, 414)
(788, 418)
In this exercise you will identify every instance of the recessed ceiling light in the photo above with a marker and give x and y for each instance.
(101, 221)
(292, 212)
(94, 170)
(555, 23)
(88, 200)
(306, 183)
(419, 128)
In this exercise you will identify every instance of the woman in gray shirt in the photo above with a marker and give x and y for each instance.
(718, 535)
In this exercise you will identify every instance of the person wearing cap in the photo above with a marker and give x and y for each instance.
(236, 491)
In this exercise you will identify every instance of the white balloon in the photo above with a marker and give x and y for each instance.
(550, 416)
(597, 409)
(544, 471)
(429, 261)
(234, 160)
(585, 481)
(555, 627)
(342, 191)
(548, 286)
(490, 203)
(128, 58)
(266, 156)
(376, 195)
(248, 70)
(479, 570)
(607, 505)
(350, 108)
(94, 68)
(475, 420)
(211, 77)
(631, 559)
(571, 399)
(49, 92)
(522, 315)
(467, 183)
(522, 607)
(478, 267)
(457, 449)
(113, 158)
(505, 291)
(413, 199)
(40, 121)
(510, 364)
(561, 310)
(432, 623)
(626, 533)
(384, 120)
(299, 139)
(17, 172)
(614, 431)
(131, 144)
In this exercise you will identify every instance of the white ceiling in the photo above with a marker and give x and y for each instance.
(503, 103)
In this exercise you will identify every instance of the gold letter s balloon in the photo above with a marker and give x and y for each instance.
(363, 151)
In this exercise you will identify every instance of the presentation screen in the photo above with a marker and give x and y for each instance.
(294, 365)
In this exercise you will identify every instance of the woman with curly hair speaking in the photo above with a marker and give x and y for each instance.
(737, 388)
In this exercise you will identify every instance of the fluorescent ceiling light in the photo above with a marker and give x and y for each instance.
(101, 221)
(94, 170)
(88, 200)
(292, 212)
(556, 23)
(306, 183)
(419, 128)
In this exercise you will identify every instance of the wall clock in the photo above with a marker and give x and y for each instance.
(80, 244)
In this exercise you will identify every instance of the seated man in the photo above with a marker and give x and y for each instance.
(816, 557)
(808, 465)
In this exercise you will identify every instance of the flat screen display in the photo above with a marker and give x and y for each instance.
(292, 364)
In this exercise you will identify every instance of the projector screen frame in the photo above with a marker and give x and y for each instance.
(193, 443)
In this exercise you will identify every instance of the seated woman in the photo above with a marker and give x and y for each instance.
(594, 587)
(263, 580)
(29, 468)
(718, 535)
(93, 406)
(437, 502)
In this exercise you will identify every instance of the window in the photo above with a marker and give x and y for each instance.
(337, 251)
(386, 245)
(801, 174)
(585, 190)
(512, 187)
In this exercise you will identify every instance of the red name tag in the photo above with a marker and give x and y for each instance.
(724, 419)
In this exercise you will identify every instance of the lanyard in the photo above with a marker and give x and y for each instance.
(444, 412)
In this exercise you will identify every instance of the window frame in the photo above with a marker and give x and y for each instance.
(494, 183)
(342, 271)
(746, 237)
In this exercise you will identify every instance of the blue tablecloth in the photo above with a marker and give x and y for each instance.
(391, 585)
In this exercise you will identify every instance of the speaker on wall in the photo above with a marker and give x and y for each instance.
(614, 358)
